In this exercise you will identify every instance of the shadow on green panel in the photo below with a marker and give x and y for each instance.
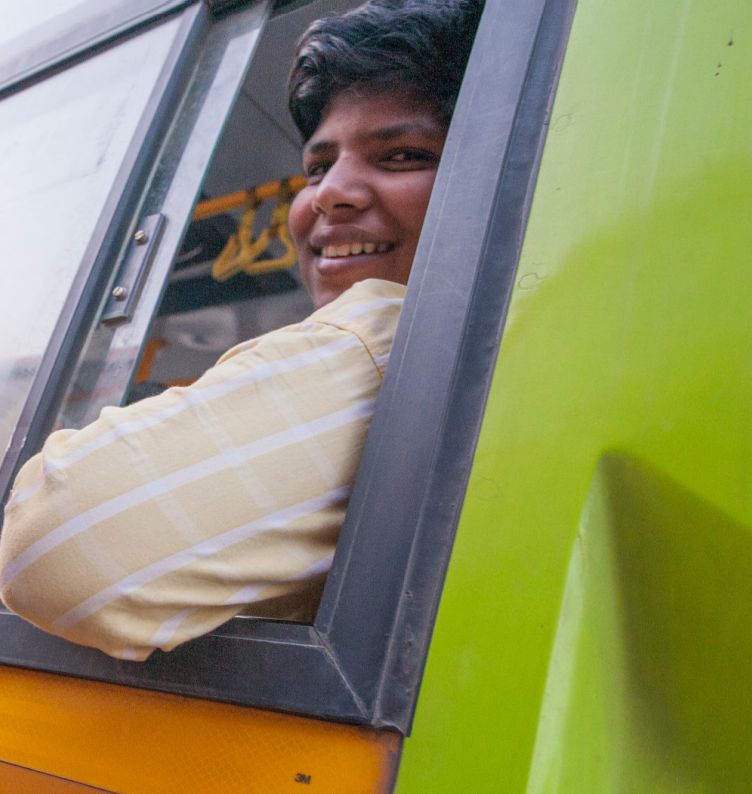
(649, 688)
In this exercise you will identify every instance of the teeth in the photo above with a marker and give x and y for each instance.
(353, 249)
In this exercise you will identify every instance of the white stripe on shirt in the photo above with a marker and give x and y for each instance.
(190, 474)
(198, 552)
(165, 632)
(364, 308)
(258, 373)
(245, 595)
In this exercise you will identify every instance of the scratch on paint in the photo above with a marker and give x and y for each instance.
(655, 161)
(530, 281)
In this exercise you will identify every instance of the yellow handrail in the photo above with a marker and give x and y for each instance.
(216, 206)
(242, 252)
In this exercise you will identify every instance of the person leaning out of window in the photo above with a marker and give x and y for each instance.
(165, 518)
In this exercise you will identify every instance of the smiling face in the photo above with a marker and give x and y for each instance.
(371, 165)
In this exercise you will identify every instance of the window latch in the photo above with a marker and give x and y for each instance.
(130, 279)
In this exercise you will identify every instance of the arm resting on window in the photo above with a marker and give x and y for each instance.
(162, 520)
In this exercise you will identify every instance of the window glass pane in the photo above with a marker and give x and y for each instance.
(21, 18)
(62, 142)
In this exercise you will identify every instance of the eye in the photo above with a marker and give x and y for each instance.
(315, 171)
(410, 159)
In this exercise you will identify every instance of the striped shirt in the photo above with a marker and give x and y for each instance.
(163, 519)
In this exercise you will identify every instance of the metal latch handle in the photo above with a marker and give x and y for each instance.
(130, 280)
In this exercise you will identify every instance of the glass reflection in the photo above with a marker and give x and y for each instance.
(62, 142)
(23, 17)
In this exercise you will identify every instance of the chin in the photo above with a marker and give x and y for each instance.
(321, 297)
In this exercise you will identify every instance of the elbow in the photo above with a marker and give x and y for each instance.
(11, 598)
(22, 601)
(21, 590)
(108, 636)
(11, 591)
(46, 601)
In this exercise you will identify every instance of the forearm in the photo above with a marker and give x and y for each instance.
(162, 520)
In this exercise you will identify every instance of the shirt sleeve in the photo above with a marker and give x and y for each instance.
(161, 520)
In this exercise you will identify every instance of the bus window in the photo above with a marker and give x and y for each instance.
(202, 314)
(186, 317)
(205, 312)
(62, 143)
(22, 19)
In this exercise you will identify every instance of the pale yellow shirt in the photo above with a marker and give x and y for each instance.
(162, 520)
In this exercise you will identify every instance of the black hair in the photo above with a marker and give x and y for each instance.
(419, 47)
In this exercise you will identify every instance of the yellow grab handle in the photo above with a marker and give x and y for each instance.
(242, 252)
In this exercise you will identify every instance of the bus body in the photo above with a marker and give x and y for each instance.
(545, 590)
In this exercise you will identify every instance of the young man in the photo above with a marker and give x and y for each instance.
(162, 520)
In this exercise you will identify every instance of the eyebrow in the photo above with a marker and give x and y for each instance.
(382, 134)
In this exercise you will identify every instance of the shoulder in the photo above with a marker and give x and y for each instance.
(368, 311)
(368, 300)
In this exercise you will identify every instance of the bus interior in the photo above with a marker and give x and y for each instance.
(210, 302)
(207, 308)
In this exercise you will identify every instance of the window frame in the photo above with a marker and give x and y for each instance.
(82, 31)
(77, 314)
(362, 660)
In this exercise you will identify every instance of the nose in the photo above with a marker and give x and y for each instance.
(344, 189)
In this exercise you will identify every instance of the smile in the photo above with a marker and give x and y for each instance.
(354, 249)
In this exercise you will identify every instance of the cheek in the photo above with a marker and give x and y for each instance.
(409, 204)
(301, 219)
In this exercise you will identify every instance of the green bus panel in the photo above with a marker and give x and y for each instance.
(595, 632)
